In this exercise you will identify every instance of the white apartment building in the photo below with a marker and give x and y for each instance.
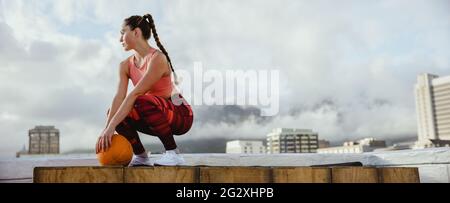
(433, 110)
(288, 140)
(246, 147)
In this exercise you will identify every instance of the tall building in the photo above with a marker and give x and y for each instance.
(246, 147)
(287, 140)
(43, 140)
(433, 110)
(360, 146)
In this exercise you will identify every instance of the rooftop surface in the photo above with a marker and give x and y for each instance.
(433, 163)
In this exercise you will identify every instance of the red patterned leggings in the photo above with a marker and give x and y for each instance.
(154, 115)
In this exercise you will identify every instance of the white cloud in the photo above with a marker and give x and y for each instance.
(59, 59)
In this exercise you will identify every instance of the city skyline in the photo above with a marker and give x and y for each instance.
(347, 69)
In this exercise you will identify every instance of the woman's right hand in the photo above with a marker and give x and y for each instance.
(104, 141)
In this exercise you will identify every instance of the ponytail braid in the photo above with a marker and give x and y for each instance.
(151, 23)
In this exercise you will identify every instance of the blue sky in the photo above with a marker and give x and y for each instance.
(347, 67)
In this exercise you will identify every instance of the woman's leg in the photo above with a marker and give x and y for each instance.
(127, 128)
(163, 119)
(153, 114)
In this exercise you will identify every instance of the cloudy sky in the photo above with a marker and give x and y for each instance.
(347, 68)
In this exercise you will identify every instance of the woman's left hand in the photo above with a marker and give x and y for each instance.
(104, 141)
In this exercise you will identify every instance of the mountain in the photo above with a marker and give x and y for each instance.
(211, 145)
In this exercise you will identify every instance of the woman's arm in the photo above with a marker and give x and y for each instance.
(155, 70)
(121, 91)
(118, 98)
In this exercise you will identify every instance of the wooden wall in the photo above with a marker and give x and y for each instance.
(225, 174)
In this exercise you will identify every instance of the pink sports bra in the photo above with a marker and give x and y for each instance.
(163, 87)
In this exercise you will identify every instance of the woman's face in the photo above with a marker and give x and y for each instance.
(127, 38)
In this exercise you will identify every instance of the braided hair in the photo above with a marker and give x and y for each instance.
(147, 25)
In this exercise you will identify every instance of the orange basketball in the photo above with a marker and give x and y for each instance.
(119, 153)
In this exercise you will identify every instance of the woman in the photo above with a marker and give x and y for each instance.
(150, 107)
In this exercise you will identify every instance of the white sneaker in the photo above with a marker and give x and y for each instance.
(170, 158)
(140, 161)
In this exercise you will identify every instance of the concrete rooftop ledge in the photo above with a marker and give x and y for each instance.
(433, 163)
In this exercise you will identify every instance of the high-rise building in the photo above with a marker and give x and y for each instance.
(43, 140)
(287, 140)
(433, 110)
(246, 147)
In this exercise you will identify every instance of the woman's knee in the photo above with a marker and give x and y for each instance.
(120, 128)
(125, 125)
